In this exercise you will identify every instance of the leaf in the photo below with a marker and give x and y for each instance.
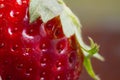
(89, 69)
(69, 21)
(67, 24)
(92, 50)
(46, 9)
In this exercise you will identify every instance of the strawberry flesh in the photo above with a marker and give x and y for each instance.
(35, 51)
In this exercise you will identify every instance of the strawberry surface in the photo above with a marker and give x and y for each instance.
(38, 50)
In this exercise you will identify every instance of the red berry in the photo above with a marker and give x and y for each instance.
(35, 51)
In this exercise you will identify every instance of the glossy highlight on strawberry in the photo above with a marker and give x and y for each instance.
(35, 51)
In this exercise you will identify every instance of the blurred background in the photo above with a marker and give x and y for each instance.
(101, 21)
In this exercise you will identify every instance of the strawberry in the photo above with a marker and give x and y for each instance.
(36, 46)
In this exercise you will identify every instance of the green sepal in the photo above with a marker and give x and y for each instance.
(89, 68)
(94, 48)
(46, 9)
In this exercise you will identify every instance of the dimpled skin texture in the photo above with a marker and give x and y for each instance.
(36, 51)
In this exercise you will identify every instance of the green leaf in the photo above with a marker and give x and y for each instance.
(67, 24)
(92, 50)
(89, 69)
(46, 9)
(70, 22)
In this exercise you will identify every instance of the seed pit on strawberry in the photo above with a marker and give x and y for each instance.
(19, 2)
(2, 44)
(9, 31)
(49, 30)
(72, 58)
(1, 15)
(24, 1)
(1, 30)
(58, 33)
(54, 28)
(27, 74)
(30, 69)
(43, 62)
(7, 77)
(49, 27)
(58, 77)
(61, 45)
(26, 54)
(19, 66)
(43, 74)
(42, 78)
(33, 30)
(13, 16)
(44, 45)
(61, 76)
(14, 48)
(12, 30)
(2, 6)
(59, 66)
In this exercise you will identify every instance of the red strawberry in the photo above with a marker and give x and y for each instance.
(40, 41)
(35, 51)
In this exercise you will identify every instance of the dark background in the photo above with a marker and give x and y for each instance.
(101, 21)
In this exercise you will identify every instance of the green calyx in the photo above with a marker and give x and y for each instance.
(48, 9)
